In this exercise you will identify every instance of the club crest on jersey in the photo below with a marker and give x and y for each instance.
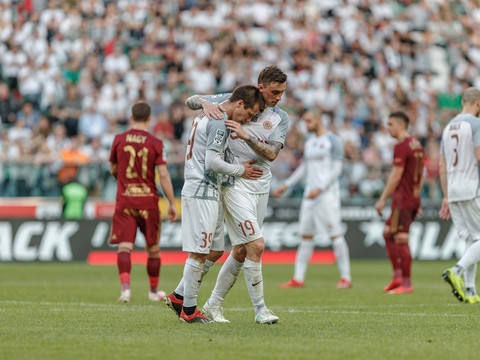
(219, 136)
(267, 125)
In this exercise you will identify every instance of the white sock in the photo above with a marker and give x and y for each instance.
(227, 276)
(471, 256)
(179, 289)
(342, 254)
(469, 277)
(206, 268)
(254, 279)
(304, 253)
(192, 274)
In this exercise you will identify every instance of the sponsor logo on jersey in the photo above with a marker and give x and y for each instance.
(219, 136)
(267, 125)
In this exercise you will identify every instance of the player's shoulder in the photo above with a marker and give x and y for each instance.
(279, 112)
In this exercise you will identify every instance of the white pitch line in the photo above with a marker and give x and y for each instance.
(311, 310)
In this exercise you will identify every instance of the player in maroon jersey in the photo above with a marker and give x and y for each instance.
(135, 155)
(405, 185)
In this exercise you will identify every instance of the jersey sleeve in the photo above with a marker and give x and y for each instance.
(218, 98)
(476, 132)
(217, 134)
(337, 151)
(113, 151)
(161, 158)
(280, 132)
(399, 155)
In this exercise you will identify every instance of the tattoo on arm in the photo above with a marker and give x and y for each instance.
(195, 102)
(266, 151)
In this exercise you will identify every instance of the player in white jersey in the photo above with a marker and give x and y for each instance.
(202, 223)
(460, 180)
(320, 209)
(245, 201)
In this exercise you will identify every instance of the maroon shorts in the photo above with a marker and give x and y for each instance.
(125, 223)
(400, 220)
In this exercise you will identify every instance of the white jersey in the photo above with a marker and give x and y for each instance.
(459, 139)
(204, 134)
(270, 125)
(319, 154)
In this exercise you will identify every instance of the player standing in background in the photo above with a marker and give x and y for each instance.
(245, 201)
(320, 209)
(202, 215)
(405, 185)
(135, 155)
(460, 180)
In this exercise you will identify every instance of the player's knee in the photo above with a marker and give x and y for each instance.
(307, 237)
(153, 250)
(214, 255)
(401, 238)
(125, 247)
(256, 247)
(239, 253)
(197, 256)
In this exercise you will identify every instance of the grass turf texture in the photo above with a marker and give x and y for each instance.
(69, 311)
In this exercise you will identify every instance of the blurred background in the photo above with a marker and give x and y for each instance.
(70, 71)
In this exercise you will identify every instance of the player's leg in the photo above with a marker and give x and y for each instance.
(403, 251)
(306, 246)
(453, 275)
(333, 223)
(392, 252)
(150, 225)
(469, 275)
(227, 276)
(199, 219)
(124, 228)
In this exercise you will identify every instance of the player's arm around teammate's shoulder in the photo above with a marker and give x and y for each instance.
(166, 184)
(211, 110)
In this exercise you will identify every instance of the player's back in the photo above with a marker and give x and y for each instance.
(459, 139)
(137, 152)
(199, 182)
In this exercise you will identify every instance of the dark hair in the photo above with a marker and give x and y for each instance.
(250, 95)
(402, 116)
(271, 74)
(141, 111)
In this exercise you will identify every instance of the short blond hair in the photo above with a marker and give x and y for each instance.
(471, 95)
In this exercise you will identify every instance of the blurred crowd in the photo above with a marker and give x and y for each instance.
(70, 71)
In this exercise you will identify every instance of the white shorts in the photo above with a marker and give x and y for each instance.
(202, 225)
(321, 213)
(466, 218)
(244, 214)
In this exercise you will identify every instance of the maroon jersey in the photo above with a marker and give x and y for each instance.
(409, 155)
(137, 153)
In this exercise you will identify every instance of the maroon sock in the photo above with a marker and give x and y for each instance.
(153, 271)
(405, 263)
(124, 265)
(393, 255)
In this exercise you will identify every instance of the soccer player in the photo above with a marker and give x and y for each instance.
(245, 200)
(460, 180)
(405, 185)
(135, 155)
(320, 209)
(202, 216)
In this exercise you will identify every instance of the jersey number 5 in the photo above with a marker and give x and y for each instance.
(143, 154)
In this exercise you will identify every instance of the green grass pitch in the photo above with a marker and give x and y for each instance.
(69, 311)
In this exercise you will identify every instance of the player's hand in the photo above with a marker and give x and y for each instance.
(237, 128)
(419, 213)
(251, 172)
(444, 212)
(213, 111)
(172, 213)
(279, 191)
(379, 205)
(314, 193)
